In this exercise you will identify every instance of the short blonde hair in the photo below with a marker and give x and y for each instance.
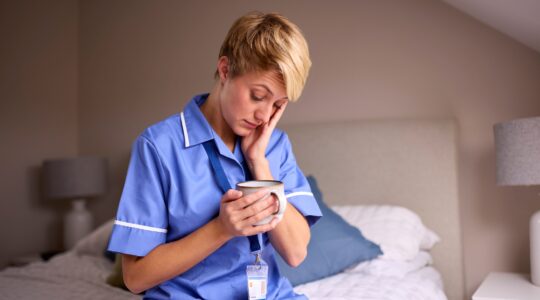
(265, 42)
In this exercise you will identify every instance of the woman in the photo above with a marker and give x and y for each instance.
(178, 239)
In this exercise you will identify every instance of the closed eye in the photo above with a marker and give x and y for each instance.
(279, 104)
(256, 98)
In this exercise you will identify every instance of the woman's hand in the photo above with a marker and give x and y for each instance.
(238, 214)
(254, 145)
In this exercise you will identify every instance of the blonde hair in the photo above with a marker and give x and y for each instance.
(266, 42)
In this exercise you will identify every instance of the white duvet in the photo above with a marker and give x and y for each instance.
(403, 273)
(73, 276)
(66, 276)
(381, 280)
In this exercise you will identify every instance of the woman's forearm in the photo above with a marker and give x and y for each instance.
(172, 259)
(291, 236)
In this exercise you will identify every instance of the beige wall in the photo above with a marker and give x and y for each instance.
(38, 117)
(140, 61)
(372, 59)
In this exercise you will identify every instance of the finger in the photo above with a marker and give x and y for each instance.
(268, 202)
(231, 195)
(262, 228)
(251, 198)
(277, 115)
(274, 222)
(268, 211)
(269, 127)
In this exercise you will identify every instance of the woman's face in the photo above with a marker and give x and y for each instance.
(250, 100)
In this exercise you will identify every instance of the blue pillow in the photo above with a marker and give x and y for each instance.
(334, 246)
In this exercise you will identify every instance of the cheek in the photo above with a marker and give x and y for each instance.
(233, 110)
(232, 95)
(240, 105)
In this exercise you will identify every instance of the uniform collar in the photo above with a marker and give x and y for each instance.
(197, 130)
(195, 127)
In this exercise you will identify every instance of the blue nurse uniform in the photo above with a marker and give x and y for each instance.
(170, 191)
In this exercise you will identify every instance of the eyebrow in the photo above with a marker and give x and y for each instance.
(268, 89)
(264, 86)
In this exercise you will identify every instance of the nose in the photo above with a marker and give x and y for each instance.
(263, 113)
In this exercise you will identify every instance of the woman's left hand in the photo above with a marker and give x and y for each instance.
(254, 145)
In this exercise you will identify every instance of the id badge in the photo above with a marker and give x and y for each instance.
(257, 279)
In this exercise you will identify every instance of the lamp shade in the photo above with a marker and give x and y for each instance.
(79, 177)
(517, 147)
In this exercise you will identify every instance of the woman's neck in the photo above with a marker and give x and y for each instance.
(212, 112)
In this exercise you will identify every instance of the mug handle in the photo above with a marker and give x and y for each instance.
(282, 202)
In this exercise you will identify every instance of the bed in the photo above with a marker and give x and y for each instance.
(382, 177)
(406, 163)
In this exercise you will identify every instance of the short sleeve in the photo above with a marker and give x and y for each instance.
(141, 221)
(297, 189)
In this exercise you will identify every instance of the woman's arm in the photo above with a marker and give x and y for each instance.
(291, 236)
(172, 259)
(236, 218)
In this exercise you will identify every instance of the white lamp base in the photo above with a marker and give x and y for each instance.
(78, 223)
(534, 238)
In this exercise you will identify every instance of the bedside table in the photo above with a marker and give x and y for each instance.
(499, 286)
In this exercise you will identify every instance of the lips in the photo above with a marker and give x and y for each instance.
(251, 125)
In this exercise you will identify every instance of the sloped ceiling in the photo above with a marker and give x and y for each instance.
(519, 19)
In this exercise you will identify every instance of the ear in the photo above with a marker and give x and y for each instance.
(223, 68)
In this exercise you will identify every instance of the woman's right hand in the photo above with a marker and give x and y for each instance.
(238, 213)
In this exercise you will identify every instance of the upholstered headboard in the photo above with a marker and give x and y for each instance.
(411, 163)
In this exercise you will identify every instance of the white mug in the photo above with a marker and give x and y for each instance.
(275, 187)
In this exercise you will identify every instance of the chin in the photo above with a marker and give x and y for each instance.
(242, 131)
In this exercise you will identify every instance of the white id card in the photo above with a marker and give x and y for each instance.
(257, 277)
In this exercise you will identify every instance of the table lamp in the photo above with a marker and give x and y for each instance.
(75, 179)
(517, 147)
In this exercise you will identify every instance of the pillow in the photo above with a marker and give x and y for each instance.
(429, 240)
(398, 230)
(96, 242)
(334, 246)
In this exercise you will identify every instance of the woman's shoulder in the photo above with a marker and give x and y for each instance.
(165, 131)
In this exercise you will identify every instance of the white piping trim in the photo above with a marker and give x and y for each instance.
(184, 128)
(298, 194)
(126, 224)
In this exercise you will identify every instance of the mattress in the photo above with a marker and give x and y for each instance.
(74, 276)
(424, 283)
(65, 276)
(404, 272)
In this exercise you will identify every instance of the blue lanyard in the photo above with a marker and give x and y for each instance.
(223, 182)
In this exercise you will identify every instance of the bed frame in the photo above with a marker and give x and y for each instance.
(411, 163)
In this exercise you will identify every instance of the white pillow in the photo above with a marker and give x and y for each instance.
(96, 242)
(397, 230)
(429, 240)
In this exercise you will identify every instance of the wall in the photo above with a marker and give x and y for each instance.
(38, 117)
(140, 61)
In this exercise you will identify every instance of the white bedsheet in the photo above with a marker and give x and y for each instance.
(66, 276)
(423, 284)
(381, 279)
(72, 276)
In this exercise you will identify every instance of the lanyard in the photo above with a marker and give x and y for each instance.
(223, 182)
